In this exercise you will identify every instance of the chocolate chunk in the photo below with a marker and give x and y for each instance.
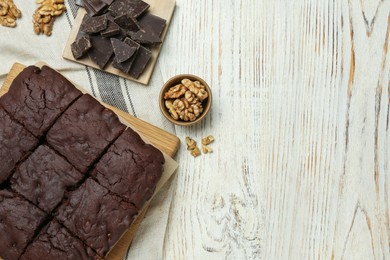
(126, 66)
(146, 36)
(132, 7)
(90, 128)
(101, 50)
(94, 24)
(111, 30)
(37, 97)
(98, 217)
(122, 51)
(80, 47)
(94, 7)
(15, 144)
(127, 23)
(156, 23)
(44, 178)
(19, 220)
(130, 168)
(55, 242)
(140, 62)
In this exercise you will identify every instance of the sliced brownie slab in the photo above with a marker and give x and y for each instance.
(19, 220)
(130, 168)
(96, 216)
(37, 97)
(44, 178)
(55, 242)
(90, 128)
(15, 143)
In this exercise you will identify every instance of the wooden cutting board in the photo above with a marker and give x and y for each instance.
(161, 8)
(166, 142)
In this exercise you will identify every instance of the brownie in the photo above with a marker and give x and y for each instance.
(130, 168)
(37, 97)
(55, 242)
(19, 220)
(90, 128)
(15, 143)
(98, 217)
(44, 178)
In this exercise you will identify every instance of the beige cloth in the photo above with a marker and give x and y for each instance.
(21, 45)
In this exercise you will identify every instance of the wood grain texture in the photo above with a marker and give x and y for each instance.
(301, 167)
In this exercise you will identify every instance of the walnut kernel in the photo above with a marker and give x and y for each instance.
(208, 140)
(206, 149)
(8, 13)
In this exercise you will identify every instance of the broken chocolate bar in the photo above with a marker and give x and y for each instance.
(81, 46)
(140, 62)
(127, 23)
(122, 51)
(94, 7)
(126, 66)
(112, 29)
(156, 23)
(146, 36)
(132, 7)
(101, 50)
(94, 24)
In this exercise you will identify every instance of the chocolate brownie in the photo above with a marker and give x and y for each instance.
(15, 143)
(130, 168)
(98, 217)
(44, 178)
(19, 220)
(83, 132)
(37, 97)
(55, 242)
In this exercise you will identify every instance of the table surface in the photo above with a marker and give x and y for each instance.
(301, 162)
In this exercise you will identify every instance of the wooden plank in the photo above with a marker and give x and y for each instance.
(161, 8)
(166, 142)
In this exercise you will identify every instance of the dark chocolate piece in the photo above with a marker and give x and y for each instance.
(130, 168)
(156, 23)
(132, 7)
(142, 59)
(15, 143)
(101, 50)
(122, 51)
(94, 24)
(98, 217)
(126, 66)
(112, 29)
(80, 47)
(19, 219)
(44, 178)
(37, 97)
(55, 242)
(146, 36)
(90, 128)
(94, 7)
(127, 23)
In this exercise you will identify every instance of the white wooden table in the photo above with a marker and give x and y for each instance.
(301, 167)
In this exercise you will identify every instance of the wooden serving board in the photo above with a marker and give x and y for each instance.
(166, 142)
(161, 8)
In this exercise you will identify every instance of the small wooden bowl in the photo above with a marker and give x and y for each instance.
(176, 80)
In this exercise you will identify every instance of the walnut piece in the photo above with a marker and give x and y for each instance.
(191, 143)
(9, 13)
(208, 140)
(195, 152)
(186, 99)
(44, 15)
(206, 149)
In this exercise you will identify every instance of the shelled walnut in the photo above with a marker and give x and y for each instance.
(184, 100)
(9, 13)
(44, 15)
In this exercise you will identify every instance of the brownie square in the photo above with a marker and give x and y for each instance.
(55, 242)
(98, 217)
(19, 220)
(15, 143)
(37, 97)
(90, 128)
(130, 168)
(44, 178)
